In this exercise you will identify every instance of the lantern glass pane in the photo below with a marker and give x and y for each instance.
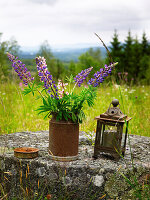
(112, 136)
(109, 134)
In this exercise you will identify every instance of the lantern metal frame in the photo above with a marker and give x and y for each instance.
(117, 151)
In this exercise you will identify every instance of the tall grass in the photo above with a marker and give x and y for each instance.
(17, 112)
(136, 103)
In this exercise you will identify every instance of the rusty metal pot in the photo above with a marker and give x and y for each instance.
(63, 140)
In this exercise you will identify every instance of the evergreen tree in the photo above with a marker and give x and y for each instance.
(116, 48)
(144, 45)
(147, 73)
(116, 53)
(136, 56)
(145, 60)
(128, 61)
(144, 66)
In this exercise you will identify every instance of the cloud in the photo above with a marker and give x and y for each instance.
(96, 19)
(48, 2)
(72, 21)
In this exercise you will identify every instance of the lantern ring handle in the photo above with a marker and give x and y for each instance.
(113, 105)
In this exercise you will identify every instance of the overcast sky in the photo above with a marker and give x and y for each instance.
(65, 22)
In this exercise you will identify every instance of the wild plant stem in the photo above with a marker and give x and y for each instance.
(40, 93)
(111, 60)
(2, 103)
(37, 90)
(127, 129)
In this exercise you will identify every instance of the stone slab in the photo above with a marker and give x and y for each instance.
(85, 175)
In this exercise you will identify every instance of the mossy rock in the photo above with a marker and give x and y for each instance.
(118, 187)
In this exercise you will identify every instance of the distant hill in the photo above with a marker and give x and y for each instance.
(73, 54)
(65, 55)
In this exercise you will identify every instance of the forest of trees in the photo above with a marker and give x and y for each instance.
(133, 56)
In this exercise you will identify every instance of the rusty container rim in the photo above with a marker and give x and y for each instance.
(63, 122)
(26, 150)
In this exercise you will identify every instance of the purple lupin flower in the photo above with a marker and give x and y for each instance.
(101, 74)
(82, 76)
(20, 69)
(46, 77)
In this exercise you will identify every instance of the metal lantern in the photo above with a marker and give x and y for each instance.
(109, 134)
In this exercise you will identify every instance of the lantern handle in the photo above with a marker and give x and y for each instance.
(115, 103)
(113, 106)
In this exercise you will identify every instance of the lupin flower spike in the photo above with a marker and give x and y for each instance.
(82, 76)
(101, 74)
(46, 77)
(21, 70)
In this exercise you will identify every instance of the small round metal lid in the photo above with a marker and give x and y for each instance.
(26, 152)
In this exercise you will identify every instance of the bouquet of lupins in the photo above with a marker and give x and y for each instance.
(57, 102)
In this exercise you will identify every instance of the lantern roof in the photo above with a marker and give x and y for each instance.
(113, 120)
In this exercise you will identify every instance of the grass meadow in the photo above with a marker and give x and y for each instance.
(18, 112)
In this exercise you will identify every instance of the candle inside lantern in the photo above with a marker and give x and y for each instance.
(109, 139)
